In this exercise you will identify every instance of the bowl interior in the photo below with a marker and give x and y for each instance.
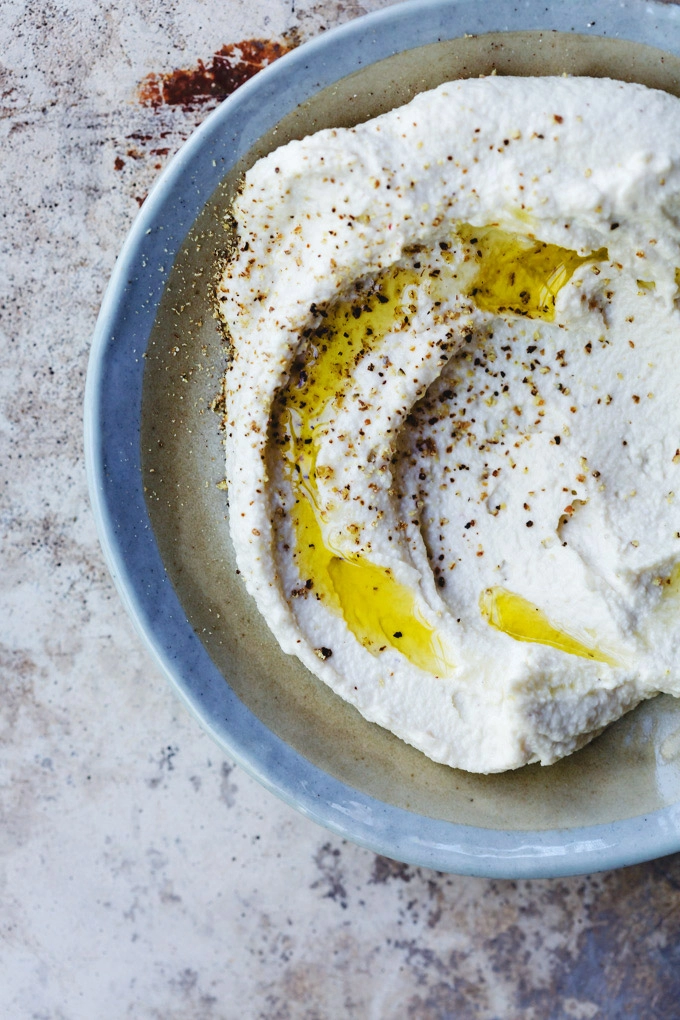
(634, 767)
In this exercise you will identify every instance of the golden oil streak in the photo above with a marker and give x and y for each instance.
(379, 610)
(517, 274)
(523, 621)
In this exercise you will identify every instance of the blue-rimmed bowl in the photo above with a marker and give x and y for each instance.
(154, 461)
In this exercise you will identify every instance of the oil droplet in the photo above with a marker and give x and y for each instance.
(523, 621)
(670, 588)
(379, 610)
(518, 274)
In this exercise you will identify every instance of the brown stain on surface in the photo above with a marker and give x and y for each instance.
(228, 69)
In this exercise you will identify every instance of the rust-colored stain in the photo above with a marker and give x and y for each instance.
(229, 68)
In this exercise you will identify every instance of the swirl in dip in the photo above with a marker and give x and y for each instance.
(453, 411)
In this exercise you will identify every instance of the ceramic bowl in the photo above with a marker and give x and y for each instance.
(155, 464)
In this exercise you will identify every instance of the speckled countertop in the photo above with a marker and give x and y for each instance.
(144, 875)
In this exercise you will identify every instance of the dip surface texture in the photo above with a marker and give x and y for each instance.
(453, 415)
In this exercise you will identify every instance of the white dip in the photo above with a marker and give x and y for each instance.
(453, 411)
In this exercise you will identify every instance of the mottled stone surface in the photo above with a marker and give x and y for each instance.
(142, 874)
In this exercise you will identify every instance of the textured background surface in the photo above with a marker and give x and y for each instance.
(141, 873)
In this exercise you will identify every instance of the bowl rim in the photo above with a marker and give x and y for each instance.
(112, 414)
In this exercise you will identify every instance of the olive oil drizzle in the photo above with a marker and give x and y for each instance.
(519, 275)
(513, 274)
(523, 621)
(378, 609)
